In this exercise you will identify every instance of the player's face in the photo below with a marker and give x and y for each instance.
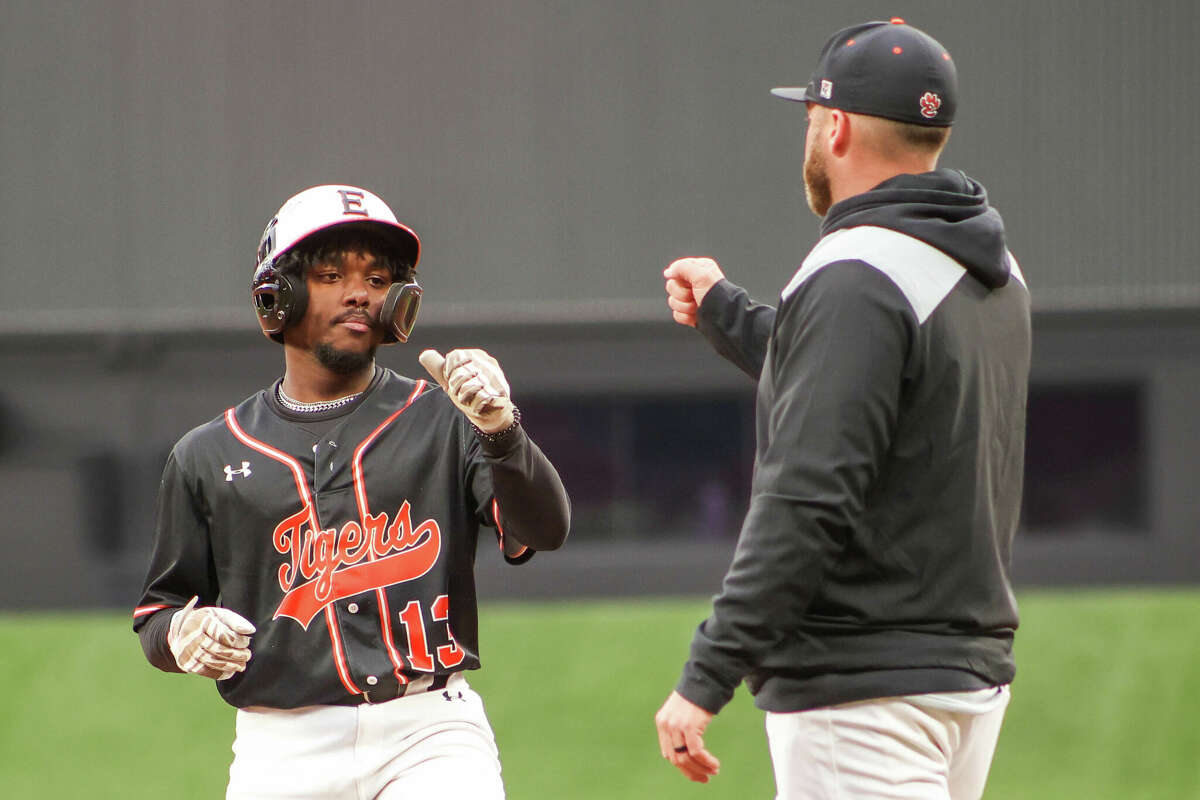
(341, 325)
(816, 178)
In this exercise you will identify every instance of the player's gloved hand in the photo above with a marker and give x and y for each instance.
(209, 641)
(475, 383)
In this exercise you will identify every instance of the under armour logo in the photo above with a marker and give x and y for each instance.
(244, 471)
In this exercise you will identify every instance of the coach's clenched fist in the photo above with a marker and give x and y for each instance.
(475, 383)
(688, 280)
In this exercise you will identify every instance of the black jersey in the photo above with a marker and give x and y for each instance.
(349, 541)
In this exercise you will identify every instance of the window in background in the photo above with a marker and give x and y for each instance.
(649, 467)
(1086, 459)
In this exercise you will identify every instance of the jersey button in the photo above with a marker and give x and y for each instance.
(352, 608)
(372, 680)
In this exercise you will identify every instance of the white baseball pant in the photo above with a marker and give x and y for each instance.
(921, 747)
(421, 745)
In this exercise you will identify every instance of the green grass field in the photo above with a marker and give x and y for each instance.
(1104, 706)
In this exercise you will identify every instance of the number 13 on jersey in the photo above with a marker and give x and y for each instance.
(448, 655)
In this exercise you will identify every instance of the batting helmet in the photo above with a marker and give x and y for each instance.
(280, 300)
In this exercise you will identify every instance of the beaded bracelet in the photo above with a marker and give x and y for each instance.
(492, 438)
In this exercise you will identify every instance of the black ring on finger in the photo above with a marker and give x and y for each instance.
(682, 749)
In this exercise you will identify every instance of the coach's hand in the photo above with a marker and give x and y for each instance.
(209, 641)
(688, 280)
(475, 383)
(681, 725)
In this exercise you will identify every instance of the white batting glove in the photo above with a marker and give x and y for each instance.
(475, 383)
(209, 641)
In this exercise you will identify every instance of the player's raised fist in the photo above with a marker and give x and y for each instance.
(475, 383)
(688, 280)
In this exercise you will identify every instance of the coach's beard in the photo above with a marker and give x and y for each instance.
(343, 362)
(817, 190)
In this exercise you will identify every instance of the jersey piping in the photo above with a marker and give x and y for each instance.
(360, 494)
(335, 638)
(500, 531)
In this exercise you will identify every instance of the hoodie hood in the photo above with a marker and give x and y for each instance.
(943, 208)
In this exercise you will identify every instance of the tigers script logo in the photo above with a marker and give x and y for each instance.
(331, 564)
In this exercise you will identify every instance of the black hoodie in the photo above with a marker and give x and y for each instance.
(874, 558)
(944, 208)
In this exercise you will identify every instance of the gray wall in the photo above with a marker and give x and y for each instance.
(553, 154)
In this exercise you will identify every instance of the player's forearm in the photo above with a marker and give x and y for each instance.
(153, 636)
(533, 502)
(736, 326)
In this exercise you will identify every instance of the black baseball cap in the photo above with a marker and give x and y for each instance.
(884, 69)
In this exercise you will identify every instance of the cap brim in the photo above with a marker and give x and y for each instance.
(798, 94)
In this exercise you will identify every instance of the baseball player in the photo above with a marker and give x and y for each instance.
(868, 607)
(315, 543)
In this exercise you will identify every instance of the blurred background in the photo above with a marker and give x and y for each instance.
(554, 157)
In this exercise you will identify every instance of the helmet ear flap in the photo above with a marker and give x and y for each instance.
(399, 312)
(297, 290)
(279, 300)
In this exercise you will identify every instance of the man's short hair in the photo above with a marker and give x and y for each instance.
(923, 138)
(895, 139)
(332, 245)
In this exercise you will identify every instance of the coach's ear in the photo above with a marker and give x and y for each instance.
(839, 132)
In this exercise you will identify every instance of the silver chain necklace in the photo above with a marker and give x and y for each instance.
(313, 408)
